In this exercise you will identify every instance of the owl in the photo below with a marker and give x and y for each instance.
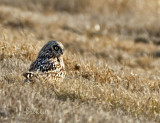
(49, 64)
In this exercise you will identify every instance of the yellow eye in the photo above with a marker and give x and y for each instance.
(56, 48)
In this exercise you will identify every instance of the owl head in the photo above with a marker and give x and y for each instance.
(52, 49)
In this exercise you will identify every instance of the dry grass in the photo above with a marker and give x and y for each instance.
(110, 78)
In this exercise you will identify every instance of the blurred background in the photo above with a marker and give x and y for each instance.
(138, 19)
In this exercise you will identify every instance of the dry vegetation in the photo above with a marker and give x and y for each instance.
(112, 60)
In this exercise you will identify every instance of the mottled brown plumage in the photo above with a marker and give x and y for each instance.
(49, 64)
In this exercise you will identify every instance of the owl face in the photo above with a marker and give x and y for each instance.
(51, 50)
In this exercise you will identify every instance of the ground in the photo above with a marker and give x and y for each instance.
(111, 56)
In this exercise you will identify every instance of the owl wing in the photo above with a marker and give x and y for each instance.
(42, 65)
(39, 65)
(28, 76)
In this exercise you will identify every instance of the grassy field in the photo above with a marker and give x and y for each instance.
(112, 59)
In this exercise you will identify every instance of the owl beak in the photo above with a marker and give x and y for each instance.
(61, 52)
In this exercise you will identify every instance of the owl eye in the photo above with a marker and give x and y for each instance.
(56, 48)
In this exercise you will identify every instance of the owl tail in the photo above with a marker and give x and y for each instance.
(28, 76)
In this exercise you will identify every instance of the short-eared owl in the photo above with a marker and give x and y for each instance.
(49, 63)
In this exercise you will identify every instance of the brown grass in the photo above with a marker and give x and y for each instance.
(110, 78)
